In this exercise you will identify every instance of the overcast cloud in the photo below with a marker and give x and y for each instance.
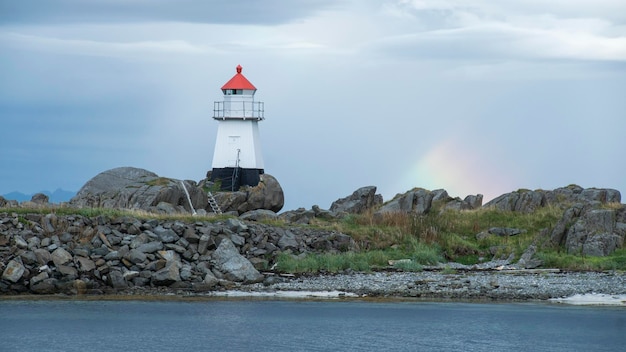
(471, 96)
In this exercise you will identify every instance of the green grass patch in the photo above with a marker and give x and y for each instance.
(552, 259)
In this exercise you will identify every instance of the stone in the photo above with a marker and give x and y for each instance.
(14, 271)
(39, 277)
(166, 235)
(594, 233)
(234, 266)
(130, 275)
(60, 257)
(210, 280)
(43, 256)
(20, 242)
(150, 247)
(236, 225)
(40, 198)
(474, 201)
(46, 286)
(203, 243)
(136, 256)
(115, 279)
(288, 241)
(85, 264)
(505, 231)
(237, 240)
(360, 201)
(69, 273)
(167, 276)
(268, 194)
(418, 201)
(258, 214)
(134, 188)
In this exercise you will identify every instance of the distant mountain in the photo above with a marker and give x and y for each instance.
(57, 196)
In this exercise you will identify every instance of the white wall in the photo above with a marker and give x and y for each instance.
(242, 135)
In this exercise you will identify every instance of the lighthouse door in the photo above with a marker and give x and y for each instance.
(234, 148)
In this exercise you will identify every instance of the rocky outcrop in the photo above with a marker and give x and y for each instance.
(133, 188)
(360, 201)
(268, 195)
(597, 232)
(420, 201)
(527, 201)
(50, 253)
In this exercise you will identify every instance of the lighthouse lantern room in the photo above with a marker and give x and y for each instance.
(237, 159)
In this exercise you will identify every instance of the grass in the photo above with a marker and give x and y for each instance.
(115, 213)
(418, 239)
(615, 261)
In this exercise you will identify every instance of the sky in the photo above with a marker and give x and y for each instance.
(475, 97)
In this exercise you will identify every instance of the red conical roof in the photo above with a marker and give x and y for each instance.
(239, 81)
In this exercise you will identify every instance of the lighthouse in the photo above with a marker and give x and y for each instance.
(237, 158)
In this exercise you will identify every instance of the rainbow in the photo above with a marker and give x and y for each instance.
(458, 169)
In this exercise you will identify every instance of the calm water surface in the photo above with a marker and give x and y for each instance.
(257, 325)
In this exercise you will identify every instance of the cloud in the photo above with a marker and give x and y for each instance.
(478, 30)
(265, 12)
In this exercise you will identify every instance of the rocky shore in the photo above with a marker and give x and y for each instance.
(471, 285)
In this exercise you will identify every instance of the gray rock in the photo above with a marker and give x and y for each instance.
(39, 277)
(234, 266)
(166, 235)
(522, 200)
(210, 280)
(358, 202)
(46, 286)
(268, 194)
(150, 247)
(43, 256)
(20, 242)
(40, 198)
(474, 201)
(288, 241)
(203, 243)
(85, 264)
(60, 257)
(115, 279)
(14, 271)
(136, 256)
(69, 273)
(417, 201)
(505, 231)
(299, 216)
(168, 275)
(237, 240)
(133, 188)
(594, 233)
(259, 214)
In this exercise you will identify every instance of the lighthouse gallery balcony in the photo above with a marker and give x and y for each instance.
(244, 110)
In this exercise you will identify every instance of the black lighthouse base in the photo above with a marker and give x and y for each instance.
(232, 178)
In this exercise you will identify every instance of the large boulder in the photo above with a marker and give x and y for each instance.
(268, 195)
(133, 188)
(597, 232)
(358, 202)
(234, 266)
(523, 200)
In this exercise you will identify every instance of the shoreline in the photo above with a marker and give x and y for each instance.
(576, 288)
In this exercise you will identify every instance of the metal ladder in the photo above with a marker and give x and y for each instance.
(213, 204)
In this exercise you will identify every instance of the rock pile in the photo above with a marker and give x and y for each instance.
(76, 254)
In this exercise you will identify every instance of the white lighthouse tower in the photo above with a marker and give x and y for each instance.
(237, 159)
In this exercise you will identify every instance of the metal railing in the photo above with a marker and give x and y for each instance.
(239, 109)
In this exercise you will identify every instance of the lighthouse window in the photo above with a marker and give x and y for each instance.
(233, 91)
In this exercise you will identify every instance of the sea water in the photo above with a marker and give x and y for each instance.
(300, 325)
